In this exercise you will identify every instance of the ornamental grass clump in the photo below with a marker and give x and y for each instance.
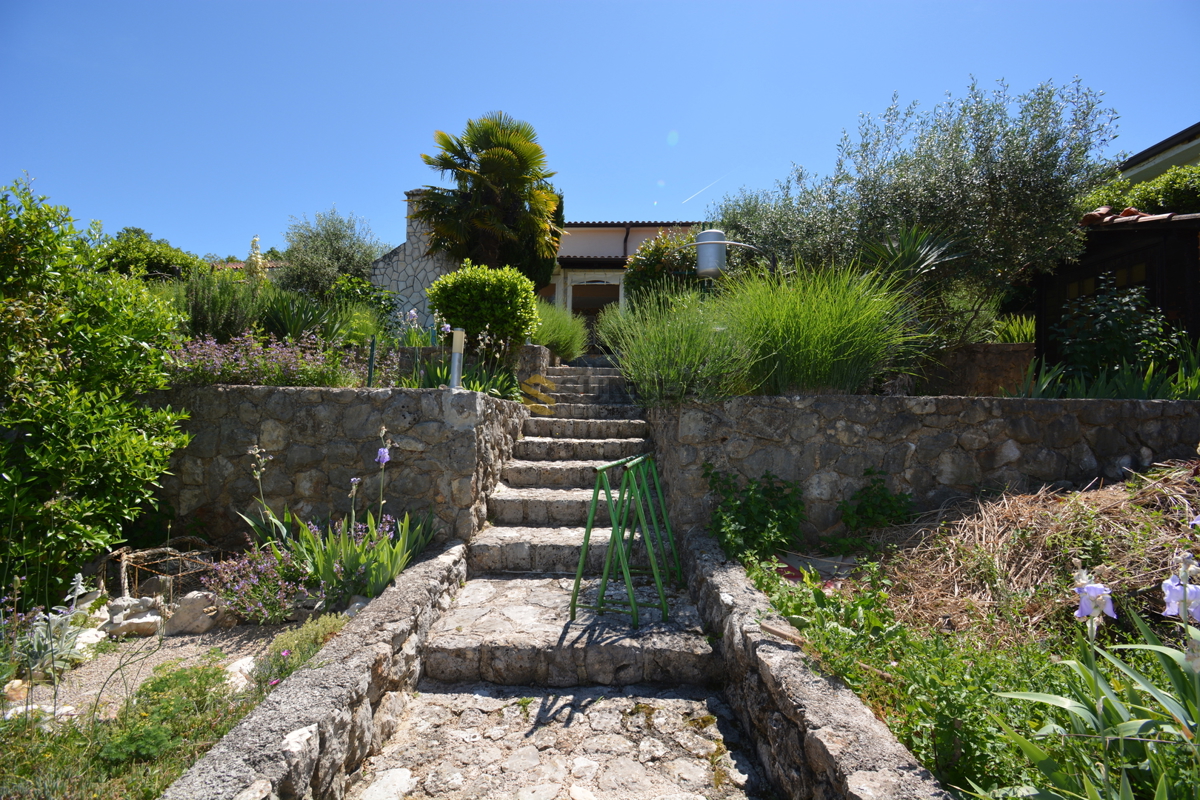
(674, 346)
(564, 333)
(828, 330)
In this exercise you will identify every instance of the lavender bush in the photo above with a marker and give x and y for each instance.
(258, 585)
(247, 360)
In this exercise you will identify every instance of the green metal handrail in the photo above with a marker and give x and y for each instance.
(634, 510)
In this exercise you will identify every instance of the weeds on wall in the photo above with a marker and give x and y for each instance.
(757, 517)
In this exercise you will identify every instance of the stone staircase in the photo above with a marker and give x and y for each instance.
(507, 642)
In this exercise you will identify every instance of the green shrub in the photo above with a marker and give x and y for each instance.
(321, 251)
(673, 347)
(81, 454)
(290, 650)
(494, 303)
(135, 252)
(755, 521)
(1102, 331)
(214, 303)
(1177, 190)
(561, 331)
(653, 265)
(827, 330)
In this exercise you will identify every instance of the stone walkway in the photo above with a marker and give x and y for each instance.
(496, 743)
(519, 702)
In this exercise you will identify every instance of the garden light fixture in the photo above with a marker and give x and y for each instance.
(710, 253)
(457, 338)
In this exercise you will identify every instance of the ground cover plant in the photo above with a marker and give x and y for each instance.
(172, 719)
(964, 635)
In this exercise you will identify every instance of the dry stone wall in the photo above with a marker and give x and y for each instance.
(448, 449)
(312, 734)
(936, 448)
(407, 270)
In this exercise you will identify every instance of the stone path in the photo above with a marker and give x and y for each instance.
(518, 702)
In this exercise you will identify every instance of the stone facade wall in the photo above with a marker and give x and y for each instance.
(316, 728)
(814, 738)
(448, 450)
(408, 271)
(936, 448)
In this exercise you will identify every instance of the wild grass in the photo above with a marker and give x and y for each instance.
(561, 331)
(830, 330)
(1015, 329)
(673, 346)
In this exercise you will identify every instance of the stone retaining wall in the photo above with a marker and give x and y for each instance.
(449, 448)
(314, 730)
(814, 738)
(936, 448)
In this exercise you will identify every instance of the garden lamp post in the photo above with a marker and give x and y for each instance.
(457, 339)
(710, 253)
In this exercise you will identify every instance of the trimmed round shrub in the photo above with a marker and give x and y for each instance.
(496, 307)
(654, 266)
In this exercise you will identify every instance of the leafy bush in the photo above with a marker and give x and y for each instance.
(1112, 327)
(80, 453)
(828, 330)
(135, 252)
(653, 265)
(330, 246)
(216, 304)
(1177, 190)
(672, 347)
(561, 331)
(478, 299)
(754, 521)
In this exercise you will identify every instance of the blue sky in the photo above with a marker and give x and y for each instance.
(208, 122)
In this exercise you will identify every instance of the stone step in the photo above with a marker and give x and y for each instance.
(587, 428)
(517, 631)
(613, 398)
(593, 411)
(480, 740)
(540, 448)
(608, 372)
(556, 474)
(534, 549)
(521, 506)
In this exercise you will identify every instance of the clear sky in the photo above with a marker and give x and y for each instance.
(208, 122)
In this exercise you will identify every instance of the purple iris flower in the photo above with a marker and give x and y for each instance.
(1094, 598)
(383, 457)
(1174, 594)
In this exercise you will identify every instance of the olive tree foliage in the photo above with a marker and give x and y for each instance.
(326, 248)
(996, 176)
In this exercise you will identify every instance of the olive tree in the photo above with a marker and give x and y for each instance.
(329, 246)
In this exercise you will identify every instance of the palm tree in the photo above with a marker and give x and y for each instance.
(502, 209)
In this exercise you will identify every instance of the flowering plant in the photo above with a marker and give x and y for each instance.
(1135, 737)
(259, 585)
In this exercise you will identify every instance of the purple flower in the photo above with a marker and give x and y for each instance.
(286, 653)
(1094, 599)
(446, 327)
(383, 457)
(1195, 522)
(1175, 592)
(274, 681)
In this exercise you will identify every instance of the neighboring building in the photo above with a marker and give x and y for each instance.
(1174, 151)
(591, 264)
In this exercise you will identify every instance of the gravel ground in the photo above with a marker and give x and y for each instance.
(110, 677)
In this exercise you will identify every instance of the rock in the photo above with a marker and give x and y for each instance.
(87, 639)
(546, 791)
(391, 784)
(300, 750)
(696, 745)
(689, 771)
(259, 790)
(651, 750)
(197, 613)
(16, 691)
(240, 674)
(584, 769)
(523, 759)
(141, 623)
(625, 775)
(581, 793)
(443, 781)
(305, 607)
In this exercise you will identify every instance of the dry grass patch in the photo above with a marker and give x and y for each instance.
(1008, 560)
